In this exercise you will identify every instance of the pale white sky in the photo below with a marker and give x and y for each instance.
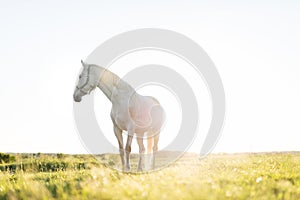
(255, 46)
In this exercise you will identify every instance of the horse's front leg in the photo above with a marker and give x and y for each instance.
(118, 133)
(128, 149)
(141, 152)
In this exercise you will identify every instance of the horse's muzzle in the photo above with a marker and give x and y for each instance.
(76, 99)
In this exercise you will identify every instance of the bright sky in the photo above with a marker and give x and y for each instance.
(255, 46)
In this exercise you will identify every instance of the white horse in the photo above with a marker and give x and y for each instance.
(130, 111)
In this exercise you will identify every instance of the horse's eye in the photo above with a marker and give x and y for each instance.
(79, 76)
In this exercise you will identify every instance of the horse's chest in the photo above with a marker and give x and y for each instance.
(121, 117)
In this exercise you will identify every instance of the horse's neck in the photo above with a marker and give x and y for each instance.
(105, 90)
(110, 84)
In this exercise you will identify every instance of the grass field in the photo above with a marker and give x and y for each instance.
(226, 176)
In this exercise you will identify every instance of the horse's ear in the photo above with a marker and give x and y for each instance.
(82, 62)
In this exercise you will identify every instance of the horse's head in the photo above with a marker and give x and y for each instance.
(86, 83)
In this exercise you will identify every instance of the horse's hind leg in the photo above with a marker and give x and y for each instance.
(155, 148)
(141, 152)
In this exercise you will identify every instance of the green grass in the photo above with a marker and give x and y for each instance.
(228, 176)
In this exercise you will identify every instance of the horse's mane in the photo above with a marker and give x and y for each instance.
(114, 80)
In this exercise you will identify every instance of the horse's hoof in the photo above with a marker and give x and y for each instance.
(140, 170)
(127, 169)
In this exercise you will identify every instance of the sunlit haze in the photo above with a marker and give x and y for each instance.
(255, 46)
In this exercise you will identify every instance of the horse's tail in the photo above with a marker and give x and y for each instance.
(150, 141)
(149, 151)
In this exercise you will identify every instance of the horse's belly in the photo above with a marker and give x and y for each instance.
(138, 118)
(124, 123)
(141, 130)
